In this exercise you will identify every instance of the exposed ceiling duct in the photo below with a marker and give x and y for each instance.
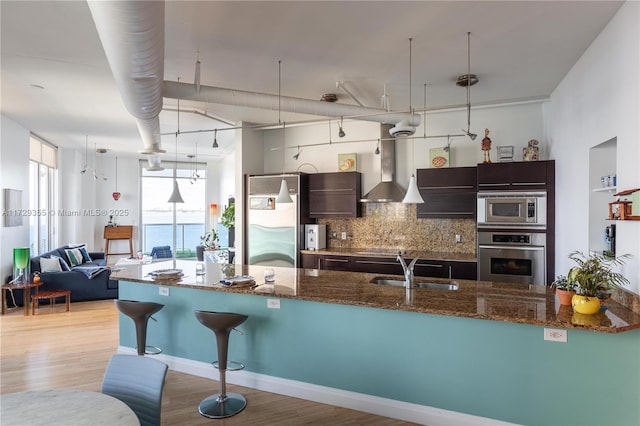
(246, 99)
(132, 36)
(387, 191)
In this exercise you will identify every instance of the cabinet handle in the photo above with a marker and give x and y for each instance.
(331, 190)
(447, 187)
(493, 184)
(528, 183)
(335, 260)
(431, 265)
(372, 262)
(329, 213)
(438, 213)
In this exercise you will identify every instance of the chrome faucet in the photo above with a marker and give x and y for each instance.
(408, 270)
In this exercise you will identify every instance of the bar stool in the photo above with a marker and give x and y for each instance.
(223, 404)
(140, 312)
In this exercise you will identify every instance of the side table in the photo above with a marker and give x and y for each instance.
(26, 294)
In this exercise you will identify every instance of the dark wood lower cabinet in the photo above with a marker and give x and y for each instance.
(390, 266)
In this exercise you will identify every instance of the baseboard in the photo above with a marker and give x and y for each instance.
(385, 407)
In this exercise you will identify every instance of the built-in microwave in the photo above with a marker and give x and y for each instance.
(508, 209)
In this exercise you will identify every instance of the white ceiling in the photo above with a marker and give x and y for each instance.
(519, 50)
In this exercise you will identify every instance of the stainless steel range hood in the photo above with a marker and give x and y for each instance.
(387, 191)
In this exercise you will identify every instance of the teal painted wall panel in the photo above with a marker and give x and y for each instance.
(486, 368)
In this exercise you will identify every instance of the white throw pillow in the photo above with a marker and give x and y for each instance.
(49, 265)
(75, 257)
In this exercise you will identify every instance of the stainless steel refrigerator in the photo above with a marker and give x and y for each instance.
(275, 231)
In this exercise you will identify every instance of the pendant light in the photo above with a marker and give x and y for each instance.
(468, 80)
(116, 194)
(176, 197)
(86, 150)
(283, 195)
(413, 195)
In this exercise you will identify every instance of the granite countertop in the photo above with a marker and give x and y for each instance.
(507, 302)
(392, 253)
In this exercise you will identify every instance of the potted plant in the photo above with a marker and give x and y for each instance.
(565, 289)
(209, 240)
(228, 220)
(594, 278)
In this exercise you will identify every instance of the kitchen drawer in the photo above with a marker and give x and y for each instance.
(311, 261)
(377, 265)
(336, 263)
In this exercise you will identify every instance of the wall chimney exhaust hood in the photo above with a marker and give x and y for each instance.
(387, 191)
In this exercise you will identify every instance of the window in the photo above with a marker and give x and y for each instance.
(179, 225)
(43, 175)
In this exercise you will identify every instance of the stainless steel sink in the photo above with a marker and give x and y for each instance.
(416, 283)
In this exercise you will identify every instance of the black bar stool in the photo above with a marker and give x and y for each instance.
(140, 312)
(223, 404)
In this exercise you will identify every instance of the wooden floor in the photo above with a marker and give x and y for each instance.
(56, 349)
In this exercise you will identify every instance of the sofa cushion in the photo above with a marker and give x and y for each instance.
(83, 250)
(63, 263)
(74, 256)
(49, 265)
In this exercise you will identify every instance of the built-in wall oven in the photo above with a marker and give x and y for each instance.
(515, 257)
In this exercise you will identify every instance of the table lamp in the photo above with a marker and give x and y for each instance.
(21, 256)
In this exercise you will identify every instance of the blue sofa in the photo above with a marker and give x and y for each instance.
(82, 287)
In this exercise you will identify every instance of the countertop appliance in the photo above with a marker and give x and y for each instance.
(508, 209)
(515, 257)
(610, 239)
(315, 236)
(274, 231)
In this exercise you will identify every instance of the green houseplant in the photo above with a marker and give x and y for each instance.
(228, 220)
(209, 240)
(594, 277)
(565, 289)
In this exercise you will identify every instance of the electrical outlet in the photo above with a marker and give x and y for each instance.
(343, 235)
(163, 291)
(458, 238)
(555, 335)
(273, 303)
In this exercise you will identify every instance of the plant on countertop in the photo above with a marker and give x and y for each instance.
(228, 218)
(593, 273)
(209, 240)
(562, 283)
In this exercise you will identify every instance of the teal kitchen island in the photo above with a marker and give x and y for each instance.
(475, 355)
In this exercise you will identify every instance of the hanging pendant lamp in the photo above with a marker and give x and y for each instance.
(283, 195)
(413, 195)
(176, 197)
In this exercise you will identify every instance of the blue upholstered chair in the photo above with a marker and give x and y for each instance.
(137, 381)
(161, 252)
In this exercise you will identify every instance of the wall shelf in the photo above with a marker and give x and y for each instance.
(605, 189)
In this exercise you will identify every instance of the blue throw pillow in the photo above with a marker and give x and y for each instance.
(63, 263)
(83, 250)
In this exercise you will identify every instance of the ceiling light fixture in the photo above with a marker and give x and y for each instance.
(297, 154)
(196, 78)
(86, 151)
(341, 132)
(377, 151)
(116, 194)
(283, 195)
(413, 194)
(215, 139)
(175, 196)
(468, 81)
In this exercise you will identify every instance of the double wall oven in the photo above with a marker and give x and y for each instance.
(512, 237)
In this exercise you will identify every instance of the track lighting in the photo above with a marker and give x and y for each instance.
(341, 132)
(468, 80)
(215, 139)
(297, 154)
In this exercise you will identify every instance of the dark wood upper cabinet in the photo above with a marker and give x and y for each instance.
(335, 194)
(447, 193)
(515, 176)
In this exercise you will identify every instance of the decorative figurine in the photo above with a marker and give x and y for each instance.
(530, 153)
(486, 147)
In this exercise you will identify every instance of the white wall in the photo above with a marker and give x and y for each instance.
(14, 173)
(598, 100)
(513, 124)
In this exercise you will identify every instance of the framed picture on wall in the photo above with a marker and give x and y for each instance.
(438, 158)
(12, 207)
(347, 162)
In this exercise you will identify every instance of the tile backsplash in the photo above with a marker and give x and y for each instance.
(395, 226)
